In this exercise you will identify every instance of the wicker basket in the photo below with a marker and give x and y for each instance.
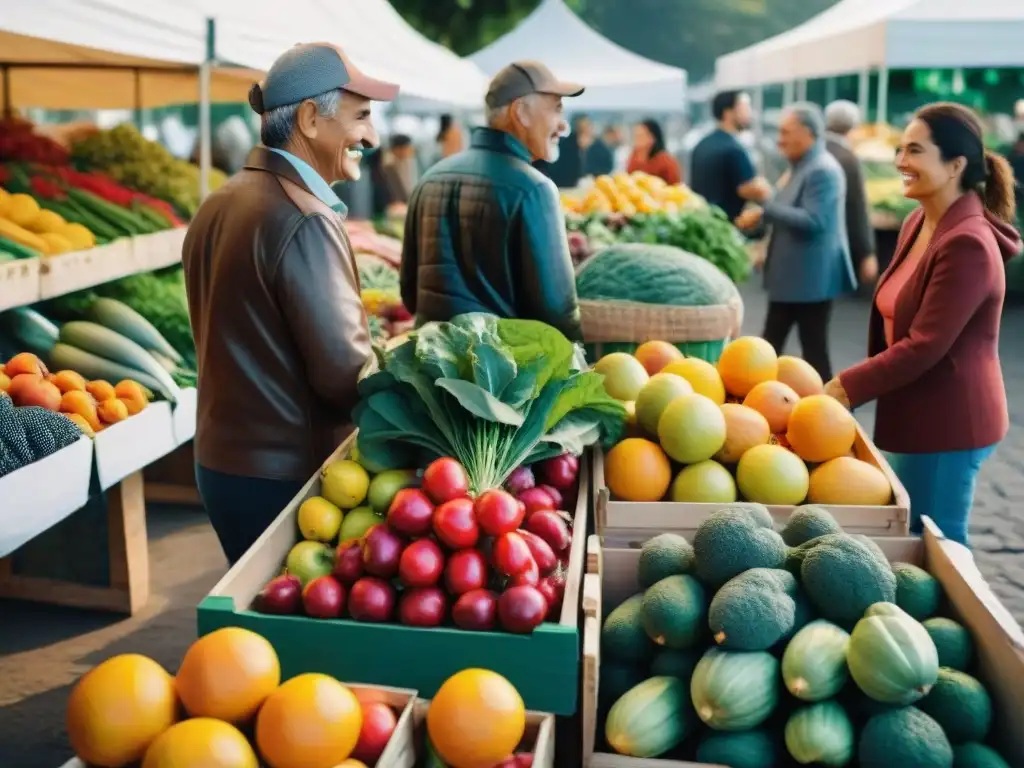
(621, 326)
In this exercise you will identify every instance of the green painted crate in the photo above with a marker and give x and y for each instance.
(543, 666)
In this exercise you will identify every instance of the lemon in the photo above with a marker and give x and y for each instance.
(319, 519)
(702, 375)
(706, 482)
(344, 483)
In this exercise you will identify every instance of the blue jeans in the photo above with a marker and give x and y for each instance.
(941, 486)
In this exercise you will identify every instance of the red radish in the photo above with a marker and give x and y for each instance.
(371, 599)
(348, 562)
(552, 528)
(518, 760)
(497, 512)
(424, 607)
(445, 479)
(282, 595)
(520, 480)
(536, 499)
(476, 610)
(541, 551)
(455, 524)
(554, 493)
(511, 554)
(529, 576)
(561, 471)
(421, 564)
(382, 551)
(466, 570)
(521, 609)
(552, 587)
(379, 722)
(324, 598)
(411, 512)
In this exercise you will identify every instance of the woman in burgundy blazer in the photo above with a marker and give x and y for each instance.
(933, 338)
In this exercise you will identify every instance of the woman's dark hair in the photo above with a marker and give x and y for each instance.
(957, 132)
(446, 124)
(659, 138)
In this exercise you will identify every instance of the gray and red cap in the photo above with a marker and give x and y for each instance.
(521, 78)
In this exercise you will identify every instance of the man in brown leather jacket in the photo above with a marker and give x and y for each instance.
(485, 230)
(273, 291)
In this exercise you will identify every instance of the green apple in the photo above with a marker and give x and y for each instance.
(357, 522)
(309, 560)
(384, 486)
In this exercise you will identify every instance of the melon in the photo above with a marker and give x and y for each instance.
(706, 482)
(654, 397)
(655, 355)
(691, 429)
(820, 734)
(744, 428)
(773, 400)
(769, 474)
(800, 376)
(891, 656)
(650, 718)
(821, 429)
(849, 481)
(624, 376)
(735, 690)
(745, 363)
(702, 375)
(814, 663)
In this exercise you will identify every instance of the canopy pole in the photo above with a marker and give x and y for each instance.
(864, 93)
(801, 90)
(883, 95)
(205, 74)
(787, 93)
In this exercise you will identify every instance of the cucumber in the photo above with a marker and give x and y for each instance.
(111, 345)
(33, 332)
(119, 317)
(94, 367)
(18, 250)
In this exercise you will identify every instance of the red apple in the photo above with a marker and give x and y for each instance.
(466, 570)
(541, 551)
(497, 512)
(561, 471)
(282, 595)
(411, 512)
(348, 562)
(445, 479)
(379, 722)
(382, 551)
(421, 564)
(324, 598)
(521, 609)
(511, 554)
(425, 607)
(536, 499)
(455, 524)
(552, 528)
(371, 599)
(476, 610)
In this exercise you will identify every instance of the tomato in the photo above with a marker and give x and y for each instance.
(421, 564)
(455, 524)
(445, 479)
(466, 570)
(511, 554)
(498, 512)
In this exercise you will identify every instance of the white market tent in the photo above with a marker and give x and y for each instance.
(616, 79)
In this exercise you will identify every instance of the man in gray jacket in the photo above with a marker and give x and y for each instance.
(808, 257)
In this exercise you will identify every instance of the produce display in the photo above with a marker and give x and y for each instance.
(30, 433)
(755, 426)
(630, 194)
(382, 299)
(417, 548)
(750, 647)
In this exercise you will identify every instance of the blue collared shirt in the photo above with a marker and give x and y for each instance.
(315, 182)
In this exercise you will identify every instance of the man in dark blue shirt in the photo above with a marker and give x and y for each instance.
(720, 169)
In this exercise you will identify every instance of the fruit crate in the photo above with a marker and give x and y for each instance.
(999, 640)
(630, 523)
(19, 283)
(543, 666)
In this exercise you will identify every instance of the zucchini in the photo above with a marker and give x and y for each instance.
(119, 317)
(29, 329)
(111, 345)
(94, 367)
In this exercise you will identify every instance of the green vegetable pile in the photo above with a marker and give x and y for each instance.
(743, 651)
(489, 392)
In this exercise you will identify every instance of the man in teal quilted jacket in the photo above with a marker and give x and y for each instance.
(485, 230)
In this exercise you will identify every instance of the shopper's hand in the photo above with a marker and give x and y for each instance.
(835, 389)
(750, 218)
(869, 269)
(760, 190)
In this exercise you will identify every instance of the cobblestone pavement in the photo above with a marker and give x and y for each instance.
(997, 524)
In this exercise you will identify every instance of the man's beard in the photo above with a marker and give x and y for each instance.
(554, 152)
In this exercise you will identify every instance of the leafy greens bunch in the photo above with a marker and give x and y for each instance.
(491, 393)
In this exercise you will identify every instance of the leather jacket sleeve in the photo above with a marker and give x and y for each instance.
(318, 288)
(547, 282)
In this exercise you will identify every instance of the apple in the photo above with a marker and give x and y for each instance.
(424, 607)
(521, 609)
(386, 484)
(324, 598)
(382, 551)
(282, 595)
(541, 551)
(561, 471)
(348, 562)
(536, 499)
(551, 527)
(309, 560)
(455, 524)
(357, 522)
(411, 513)
(371, 599)
(421, 564)
(466, 570)
(379, 722)
(498, 512)
(476, 610)
(511, 554)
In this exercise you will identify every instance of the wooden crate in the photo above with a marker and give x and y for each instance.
(624, 523)
(543, 666)
(999, 640)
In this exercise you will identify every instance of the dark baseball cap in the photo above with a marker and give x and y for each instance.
(309, 69)
(521, 78)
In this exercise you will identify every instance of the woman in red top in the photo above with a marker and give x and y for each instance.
(650, 156)
(933, 337)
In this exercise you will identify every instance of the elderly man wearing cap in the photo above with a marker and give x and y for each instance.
(273, 293)
(485, 230)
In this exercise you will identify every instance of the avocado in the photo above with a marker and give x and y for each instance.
(977, 756)
(617, 678)
(905, 737)
(666, 555)
(960, 704)
(744, 749)
(917, 591)
(808, 522)
(754, 610)
(733, 540)
(670, 663)
(844, 576)
(675, 611)
(623, 637)
(953, 642)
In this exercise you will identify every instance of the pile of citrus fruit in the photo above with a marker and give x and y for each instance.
(629, 194)
(755, 426)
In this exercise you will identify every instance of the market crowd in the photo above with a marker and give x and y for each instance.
(282, 337)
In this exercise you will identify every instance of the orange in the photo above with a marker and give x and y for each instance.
(821, 429)
(118, 708)
(745, 363)
(311, 721)
(228, 674)
(637, 470)
(800, 375)
(655, 355)
(476, 719)
(744, 428)
(701, 374)
(101, 390)
(201, 743)
(773, 400)
(849, 480)
(351, 763)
